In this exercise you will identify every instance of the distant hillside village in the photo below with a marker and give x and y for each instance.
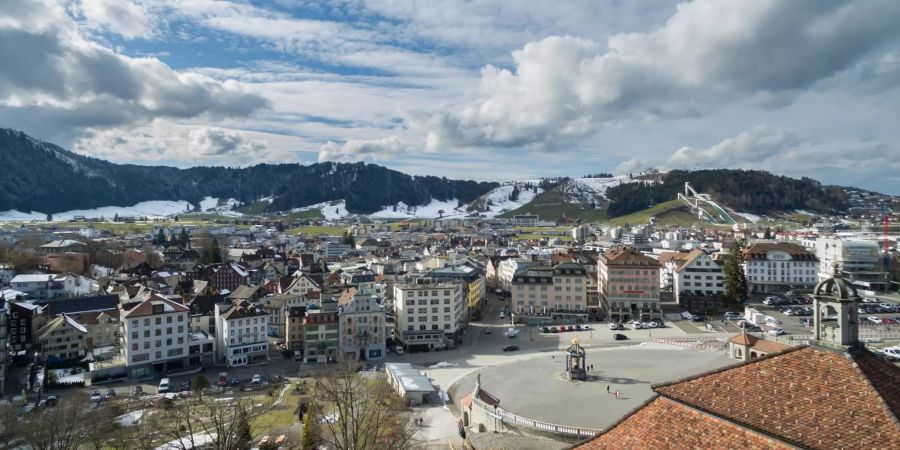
(180, 297)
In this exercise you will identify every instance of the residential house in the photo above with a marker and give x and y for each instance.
(293, 334)
(44, 286)
(61, 339)
(241, 334)
(229, 276)
(698, 279)
(24, 319)
(361, 326)
(320, 333)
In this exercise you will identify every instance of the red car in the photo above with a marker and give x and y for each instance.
(222, 381)
(562, 329)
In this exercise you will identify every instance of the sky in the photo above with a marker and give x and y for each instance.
(477, 89)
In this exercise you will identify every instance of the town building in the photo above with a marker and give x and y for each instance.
(4, 337)
(43, 286)
(24, 319)
(429, 314)
(362, 326)
(241, 334)
(695, 278)
(860, 261)
(474, 285)
(777, 267)
(320, 333)
(293, 333)
(61, 339)
(155, 336)
(550, 294)
(508, 268)
(229, 276)
(629, 285)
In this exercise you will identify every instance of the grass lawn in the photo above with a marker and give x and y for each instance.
(551, 205)
(314, 231)
(281, 416)
(544, 236)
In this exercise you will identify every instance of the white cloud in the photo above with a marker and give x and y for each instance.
(206, 141)
(355, 149)
(758, 144)
(708, 53)
(54, 77)
(130, 19)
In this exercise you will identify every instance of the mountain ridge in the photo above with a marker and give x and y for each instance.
(40, 176)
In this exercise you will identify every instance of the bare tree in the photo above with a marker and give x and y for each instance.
(65, 427)
(361, 412)
(226, 423)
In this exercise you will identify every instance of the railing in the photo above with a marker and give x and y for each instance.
(536, 424)
(700, 342)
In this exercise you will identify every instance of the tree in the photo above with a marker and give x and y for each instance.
(49, 217)
(348, 238)
(160, 237)
(183, 239)
(116, 217)
(735, 279)
(243, 435)
(310, 438)
(361, 412)
(200, 383)
(514, 195)
(212, 254)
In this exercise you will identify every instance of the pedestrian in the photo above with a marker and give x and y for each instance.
(617, 394)
(607, 389)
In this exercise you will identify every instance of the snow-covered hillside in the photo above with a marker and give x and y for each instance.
(333, 210)
(150, 209)
(431, 210)
(497, 200)
(219, 206)
(584, 190)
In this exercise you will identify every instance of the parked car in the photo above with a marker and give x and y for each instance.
(163, 386)
(577, 327)
(398, 349)
(271, 333)
(806, 322)
(185, 386)
(235, 381)
(298, 355)
(95, 396)
(222, 381)
(487, 331)
(137, 391)
(874, 319)
(511, 348)
(619, 337)
(615, 326)
(733, 316)
(887, 321)
(775, 331)
(110, 393)
(554, 330)
(892, 353)
(636, 325)
(870, 300)
(697, 318)
(257, 379)
(545, 329)
(563, 329)
(653, 324)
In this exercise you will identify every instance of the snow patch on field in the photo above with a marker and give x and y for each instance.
(751, 217)
(403, 211)
(497, 200)
(218, 206)
(597, 186)
(332, 210)
(17, 216)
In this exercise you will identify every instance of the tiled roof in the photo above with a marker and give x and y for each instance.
(759, 251)
(666, 424)
(145, 308)
(627, 256)
(809, 396)
(756, 343)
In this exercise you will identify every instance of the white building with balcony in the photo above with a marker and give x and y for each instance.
(428, 314)
(155, 336)
(241, 334)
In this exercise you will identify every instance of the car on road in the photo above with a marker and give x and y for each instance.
(110, 393)
(733, 316)
(806, 322)
(298, 355)
(95, 396)
(222, 381)
(235, 381)
(163, 386)
(185, 386)
(257, 379)
(636, 325)
(870, 300)
(616, 326)
(398, 349)
(875, 319)
(545, 329)
(554, 330)
(137, 391)
(697, 318)
(511, 348)
(775, 331)
(577, 327)
(487, 331)
(502, 314)
(892, 353)
(619, 337)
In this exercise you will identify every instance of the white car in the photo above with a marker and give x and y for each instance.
(502, 314)
(257, 379)
(875, 319)
(892, 353)
(870, 300)
(636, 325)
(775, 331)
(398, 350)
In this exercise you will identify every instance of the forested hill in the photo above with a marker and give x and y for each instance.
(38, 176)
(750, 191)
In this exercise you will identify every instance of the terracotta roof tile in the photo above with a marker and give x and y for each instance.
(810, 396)
(666, 424)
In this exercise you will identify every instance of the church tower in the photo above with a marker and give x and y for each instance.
(836, 318)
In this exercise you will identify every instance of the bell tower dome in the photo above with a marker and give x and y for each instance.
(836, 318)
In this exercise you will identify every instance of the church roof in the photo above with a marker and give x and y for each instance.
(803, 396)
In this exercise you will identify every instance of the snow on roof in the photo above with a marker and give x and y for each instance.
(240, 270)
(11, 294)
(61, 243)
(75, 324)
(32, 278)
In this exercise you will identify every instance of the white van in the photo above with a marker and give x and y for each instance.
(502, 314)
(512, 332)
(163, 386)
(772, 322)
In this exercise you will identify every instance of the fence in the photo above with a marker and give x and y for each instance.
(702, 342)
(536, 424)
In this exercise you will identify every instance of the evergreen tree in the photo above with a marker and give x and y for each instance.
(735, 279)
(183, 239)
(49, 217)
(200, 383)
(514, 195)
(160, 237)
(213, 252)
(252, 238)
(348, 238)
(116, 217)
(243, 435)
(310, 439)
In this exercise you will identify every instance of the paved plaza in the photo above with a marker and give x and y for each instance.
(537, 387)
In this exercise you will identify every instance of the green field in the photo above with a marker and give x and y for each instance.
(315, 231)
